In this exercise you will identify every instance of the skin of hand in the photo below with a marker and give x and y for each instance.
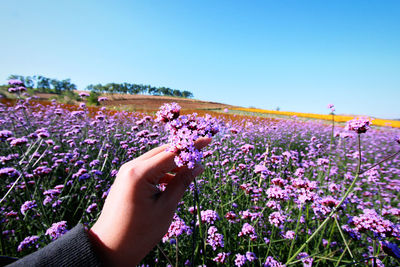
(136, 215)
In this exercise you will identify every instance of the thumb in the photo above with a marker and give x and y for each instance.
(177, 186)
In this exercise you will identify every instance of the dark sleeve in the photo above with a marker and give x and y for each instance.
(72, 249)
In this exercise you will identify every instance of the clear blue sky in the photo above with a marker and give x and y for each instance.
(298, 55)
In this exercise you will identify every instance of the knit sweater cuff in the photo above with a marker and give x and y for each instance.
(72, 249)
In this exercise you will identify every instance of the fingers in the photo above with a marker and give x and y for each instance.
(166, 179)
(163, 161)
(202, 142)
(177, 186)
(153, 152)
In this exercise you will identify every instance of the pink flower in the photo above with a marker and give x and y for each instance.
(358, 125)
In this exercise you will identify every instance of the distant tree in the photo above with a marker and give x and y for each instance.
(56, 85)
(29, 81)
(187, 94)
(67, 85)
(98, 88)
(43, 82)
(166, 91)
(176, 93)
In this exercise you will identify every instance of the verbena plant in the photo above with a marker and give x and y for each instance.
(273, 192)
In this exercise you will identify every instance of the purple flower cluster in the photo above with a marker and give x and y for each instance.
(91, 208)
(209, 216)
(16, 86)
(358, 125)
(221, 257)
(306, 259)
(168, 112)
(30, 204)
(57, 229)
(271, 262)
(176, 228)
(19, 141)
(183, 131)
(4, 134)
(248, 230)
(84, 94)
(241, 260)
(277, 218)
(370, 221)
(8, 171)
(29, 241)
(215, 239)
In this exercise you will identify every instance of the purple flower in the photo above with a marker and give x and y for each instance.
(176, 228)
(94, 163)
(84, 94)
(42, 133)
(240, 260)
(28, 242)
(358, 125)
(248, 230)
(57, 229)
(77, 113)
(260, 169)
(246, 148)
(8, 171)
(289, 235)
(306, 259)
(215, 239)
(15, 82)
(19, 141)
(184, 131)
(277, 218)
(27, 206)
(42, 170)
(221, 257)
(250, 256)
(5, 134)
(370, 221)
(102, 99)
(91, 207)
(271, 262)
(90, 141)
(391, 249)
(331, 107)
(209, 216)
(168, 112)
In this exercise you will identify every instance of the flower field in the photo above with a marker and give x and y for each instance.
(273, 193)
(336, 118)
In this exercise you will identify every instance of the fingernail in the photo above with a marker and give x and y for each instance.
(197, 170)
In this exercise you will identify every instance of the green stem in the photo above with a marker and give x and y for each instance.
(176, 253)
(297, 228)
(340, 258)
(344, 239)
(199, 218)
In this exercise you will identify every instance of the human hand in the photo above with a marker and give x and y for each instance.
(136, 215)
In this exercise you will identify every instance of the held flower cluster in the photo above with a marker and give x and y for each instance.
(183, 131)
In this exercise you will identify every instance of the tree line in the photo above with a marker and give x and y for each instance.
(48, 85)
